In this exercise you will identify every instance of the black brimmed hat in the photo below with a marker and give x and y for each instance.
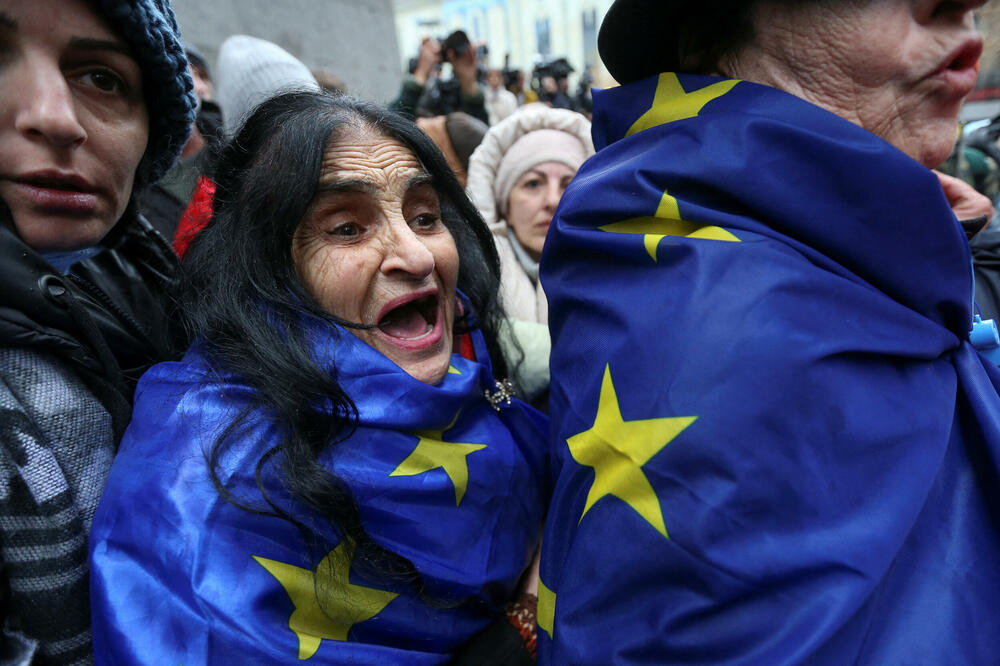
(635, 38)
(641, 38)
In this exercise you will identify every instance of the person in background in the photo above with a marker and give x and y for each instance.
(201, 74)
(424, 94)
(500, 102)
(554, 84)
(208, 124)
(164, 202)
(333, 471)
(516, 86)
(516, 178)
(95, 105)
(456, 135)
(329, 81)
(250, 71)
(775, 438)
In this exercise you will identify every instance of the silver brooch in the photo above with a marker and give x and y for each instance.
(503, 393)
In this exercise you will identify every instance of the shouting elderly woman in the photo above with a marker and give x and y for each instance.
(775, 443)
(331, 472)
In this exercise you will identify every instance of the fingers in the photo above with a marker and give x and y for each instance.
(965, 201)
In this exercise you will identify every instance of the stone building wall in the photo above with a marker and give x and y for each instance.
(352, 39)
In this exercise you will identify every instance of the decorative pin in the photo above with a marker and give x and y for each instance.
(504, 392)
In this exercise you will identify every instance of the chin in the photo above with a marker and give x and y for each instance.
(932, 158)
(933, 146)
(53, 236)
(428, 372)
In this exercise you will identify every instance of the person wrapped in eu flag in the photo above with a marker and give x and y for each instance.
(774, 440)
(331, 474)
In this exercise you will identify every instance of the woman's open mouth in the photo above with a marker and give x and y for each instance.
(413, 324)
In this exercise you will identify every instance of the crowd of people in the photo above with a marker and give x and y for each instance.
(488, 93)
(699, 370)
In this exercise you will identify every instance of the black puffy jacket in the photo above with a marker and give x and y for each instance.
(72, 348)
(109, 317)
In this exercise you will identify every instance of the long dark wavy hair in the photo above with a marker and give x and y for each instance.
(241, 294)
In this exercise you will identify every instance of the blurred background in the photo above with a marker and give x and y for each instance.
(368, 44)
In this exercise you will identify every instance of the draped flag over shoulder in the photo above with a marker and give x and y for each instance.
(182, 576)
(774, 443)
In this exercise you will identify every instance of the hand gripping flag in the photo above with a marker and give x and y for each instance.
(773, 442)
(181, 576)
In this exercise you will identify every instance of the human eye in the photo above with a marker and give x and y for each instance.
(345, 230)
(104, 80)
(427, 222)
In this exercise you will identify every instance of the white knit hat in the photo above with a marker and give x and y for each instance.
(532, 149)
(252, 70)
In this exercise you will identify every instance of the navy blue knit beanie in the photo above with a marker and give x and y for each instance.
(151, 30)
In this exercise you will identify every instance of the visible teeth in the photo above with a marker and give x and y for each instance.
(422, 335)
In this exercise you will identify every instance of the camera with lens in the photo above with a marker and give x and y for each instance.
(443, 96)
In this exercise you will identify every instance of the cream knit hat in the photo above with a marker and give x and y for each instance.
(532, 149)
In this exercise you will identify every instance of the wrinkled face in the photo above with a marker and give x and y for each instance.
(372, 249)
(73, 122)
(533, 202)
(898, 68)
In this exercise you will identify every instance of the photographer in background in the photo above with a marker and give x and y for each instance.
(425, 94)
(513, 80)
(552, 84)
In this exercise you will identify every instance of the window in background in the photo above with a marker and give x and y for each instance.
(542, 35)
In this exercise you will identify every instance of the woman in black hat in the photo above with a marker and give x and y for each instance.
(775, 436)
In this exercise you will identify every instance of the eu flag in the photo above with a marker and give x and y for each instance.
(182, 576)
(773, 441)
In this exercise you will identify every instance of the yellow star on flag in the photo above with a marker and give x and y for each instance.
(667, 222)
(433, 452)
(671, 103)
(618, 449)
(345, 603)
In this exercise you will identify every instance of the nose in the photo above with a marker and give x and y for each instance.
(553, 193)
(406, 254)
(46, 108)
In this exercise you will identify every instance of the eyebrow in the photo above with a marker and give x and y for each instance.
(90, 44)
(7, 22)
(367, 187)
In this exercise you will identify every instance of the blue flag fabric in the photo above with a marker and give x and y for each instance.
(774, 443)
(181, 576)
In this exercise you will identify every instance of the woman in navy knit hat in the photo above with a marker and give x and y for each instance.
(95, 104)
